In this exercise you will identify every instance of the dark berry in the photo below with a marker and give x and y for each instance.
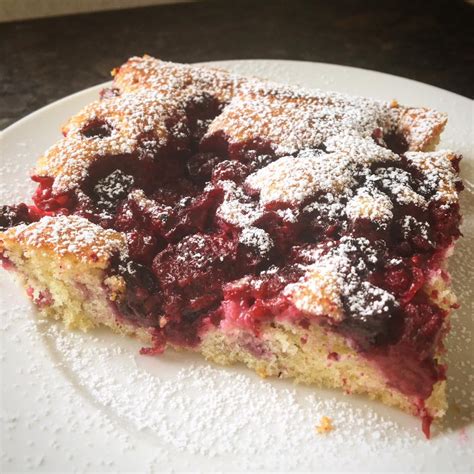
(96, 129)
(14, 215)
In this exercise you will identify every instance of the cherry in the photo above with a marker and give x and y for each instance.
(197, 216)
(142, 246)
(396, 142)
(397, 280)
(46, 200)
(143, 299)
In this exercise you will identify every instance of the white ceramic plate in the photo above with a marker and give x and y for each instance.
(75, 402)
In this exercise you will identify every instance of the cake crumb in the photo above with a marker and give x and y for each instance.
(394, 104)
(325, 425)
(261, 372)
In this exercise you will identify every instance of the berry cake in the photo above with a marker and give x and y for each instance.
(302, 233)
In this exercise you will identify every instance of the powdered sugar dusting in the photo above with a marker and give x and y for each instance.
(69, 235)
(439, 174)
(398, 183)
(177, 409)
(319, 290)
(360, 148)
(294, 179)
(291, 118)
(420, 126)
(370, 204)
(168, 77)
(153, 411)
(256, 238)
(334, 278)
(128, 116)
(237, 208)
(151, 97)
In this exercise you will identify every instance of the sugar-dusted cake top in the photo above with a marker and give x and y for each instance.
(155, 105)
(290, 119)
(68, 236)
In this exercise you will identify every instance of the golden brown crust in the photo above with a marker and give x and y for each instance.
(151, 94)
(146, 71)
(290, 119)
(421, 127)
(71, 238)
(151, 101)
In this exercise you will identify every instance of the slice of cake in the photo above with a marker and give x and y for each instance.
(300, 232)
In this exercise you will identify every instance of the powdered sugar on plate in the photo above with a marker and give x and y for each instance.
(185, 407)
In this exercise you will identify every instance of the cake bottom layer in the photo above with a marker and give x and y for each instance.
(77, 295)
(324, 359)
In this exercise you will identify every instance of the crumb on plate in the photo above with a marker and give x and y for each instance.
(325, 425)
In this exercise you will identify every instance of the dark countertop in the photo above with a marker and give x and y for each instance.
(44, 60)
